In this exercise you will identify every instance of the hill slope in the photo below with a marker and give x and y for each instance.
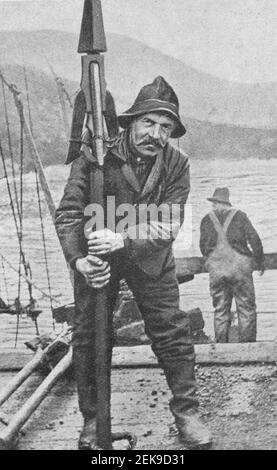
(47, 124)
(130, 64)
(203, 140)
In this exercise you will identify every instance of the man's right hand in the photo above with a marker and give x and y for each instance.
(261, 268)
(96, 271)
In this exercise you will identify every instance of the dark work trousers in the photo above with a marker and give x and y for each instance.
(166, 325)
(231, 278)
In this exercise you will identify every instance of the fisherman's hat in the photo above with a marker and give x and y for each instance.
(158, 96)
(221, 195)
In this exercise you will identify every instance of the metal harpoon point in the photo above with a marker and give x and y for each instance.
(92, 36)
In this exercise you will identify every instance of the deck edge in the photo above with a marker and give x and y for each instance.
(143, 356)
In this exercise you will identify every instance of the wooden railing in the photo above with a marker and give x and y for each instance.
(195, 265)
(141, 356)
(265, 351)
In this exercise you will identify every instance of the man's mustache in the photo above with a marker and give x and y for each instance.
(156, 143)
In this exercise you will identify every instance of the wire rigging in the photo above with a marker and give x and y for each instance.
(5, 281)
(21, 258)
(17, 206)
(29, 280)
(39, 198)
(9, 140)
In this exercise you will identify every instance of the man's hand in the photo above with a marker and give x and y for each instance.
(104, 241)
(261, 269)
(96, 271)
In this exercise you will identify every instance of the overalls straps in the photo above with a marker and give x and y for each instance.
(222, 229)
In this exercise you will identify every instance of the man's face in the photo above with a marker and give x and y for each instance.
(150, 132)
(220, 207)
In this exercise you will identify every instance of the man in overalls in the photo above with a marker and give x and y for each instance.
(230, 245)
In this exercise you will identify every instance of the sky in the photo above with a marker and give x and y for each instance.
(232, 39)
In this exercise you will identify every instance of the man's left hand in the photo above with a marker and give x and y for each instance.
(103, 242)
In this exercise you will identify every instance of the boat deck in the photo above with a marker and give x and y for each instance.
(237, 403)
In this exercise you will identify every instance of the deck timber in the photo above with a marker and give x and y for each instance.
(143, 356)
(235, 401)
(195, 265)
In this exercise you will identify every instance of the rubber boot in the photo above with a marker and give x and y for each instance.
(87, 439)
(193, 434)
(84, 369)
(85, 377)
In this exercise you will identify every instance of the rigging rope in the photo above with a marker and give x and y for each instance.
(45, 251)
(64, 90)
(39, 200)
(19, 225)
(9, 141)
(28, 270)
(5, 281)
(19, 235)
(30, 281)
(27, 92)
(9, 189)
(21, 151)
(59, 82)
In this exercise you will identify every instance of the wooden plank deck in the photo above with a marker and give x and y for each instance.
(143, 356)
(235, 402)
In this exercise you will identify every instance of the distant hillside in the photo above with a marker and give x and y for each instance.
(203, 140)
(130, 64)
(208, 141)
(48, 129)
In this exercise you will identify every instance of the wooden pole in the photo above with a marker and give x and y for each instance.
(27, 370)
(92, 43)
(39, 167)
(102, 337)
(9, 436)
(63, 107)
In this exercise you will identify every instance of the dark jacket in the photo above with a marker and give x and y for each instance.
(167, 183)
(240, 234)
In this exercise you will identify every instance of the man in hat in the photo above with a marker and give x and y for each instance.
(230, 245)
(140, 169)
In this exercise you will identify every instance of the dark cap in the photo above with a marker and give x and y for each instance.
(158, 96)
